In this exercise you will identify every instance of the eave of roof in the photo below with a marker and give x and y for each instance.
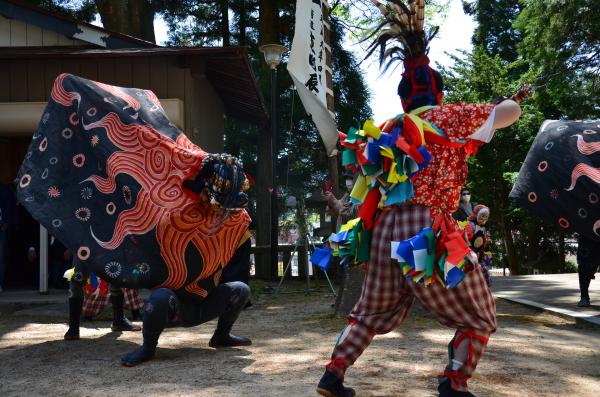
(69, 27)
(227, 68)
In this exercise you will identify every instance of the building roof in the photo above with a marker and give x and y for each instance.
(69, 27)
(227, 69)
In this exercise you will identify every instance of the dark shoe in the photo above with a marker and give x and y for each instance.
(584, 303)
(120, 322)
(446, 390)
(136, 315)
(331, 386)
(75, 305)
(248, 304)
(137, 357)
(228, 340)
(72, 334)
(124, 325)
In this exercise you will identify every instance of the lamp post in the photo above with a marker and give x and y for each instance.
(273, 53)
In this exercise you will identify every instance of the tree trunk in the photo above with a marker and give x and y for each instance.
(561, 250)
(534, 237)
(242, 26)
(224, 9)
(263, 203)
(349, 290)
(511, 256)
(130, 17)
(267, 25)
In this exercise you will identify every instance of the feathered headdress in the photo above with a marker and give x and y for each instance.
(402, 37)
(403, 25)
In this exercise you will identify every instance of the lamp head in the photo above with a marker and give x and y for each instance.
(273, 54)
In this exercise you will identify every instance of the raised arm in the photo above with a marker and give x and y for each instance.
(507, 113)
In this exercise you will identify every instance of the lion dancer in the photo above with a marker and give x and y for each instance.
(387, 295)
(140, 206)
(228, 296)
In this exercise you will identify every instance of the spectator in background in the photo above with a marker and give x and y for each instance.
(588, 261)
(465, 208)
(478, 237)
(344, 209)
(8, 217)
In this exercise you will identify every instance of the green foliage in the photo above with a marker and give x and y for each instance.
(554, 45)
(561, 41)
(495, 32)
(302, 164)
(82, 10)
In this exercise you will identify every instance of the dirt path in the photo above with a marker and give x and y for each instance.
(532, 354)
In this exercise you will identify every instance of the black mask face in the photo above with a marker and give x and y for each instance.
(224, 178)
(421, 86)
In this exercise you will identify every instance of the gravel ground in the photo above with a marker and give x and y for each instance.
(532, 354)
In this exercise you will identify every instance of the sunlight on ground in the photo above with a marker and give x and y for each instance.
(532, 354)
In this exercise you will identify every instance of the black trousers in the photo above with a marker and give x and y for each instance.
(164, 308)
(586, 273)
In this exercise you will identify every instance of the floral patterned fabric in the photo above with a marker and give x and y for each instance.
(438, 185)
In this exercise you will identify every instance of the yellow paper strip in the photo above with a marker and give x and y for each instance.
(371, 129)
(360, 190)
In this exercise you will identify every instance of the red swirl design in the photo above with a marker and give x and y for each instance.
(153, 98)
(157, 161)
(160, 165)
(118, 92)
(168, 194)
(583, 169)
(62, 96)
(587, 148)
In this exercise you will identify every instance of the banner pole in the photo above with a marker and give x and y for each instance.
(332, 162)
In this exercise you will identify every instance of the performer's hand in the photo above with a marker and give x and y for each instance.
(506, 113)
(523, 93)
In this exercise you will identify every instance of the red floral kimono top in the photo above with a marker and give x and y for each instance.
(438, 185)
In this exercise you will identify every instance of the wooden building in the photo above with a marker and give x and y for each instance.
(198, 87)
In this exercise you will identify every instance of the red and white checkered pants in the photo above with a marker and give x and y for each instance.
(387, 297)
(94, 303)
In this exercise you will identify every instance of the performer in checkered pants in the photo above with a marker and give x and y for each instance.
(387, 295)
(94, 303)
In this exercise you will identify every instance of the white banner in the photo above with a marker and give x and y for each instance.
(307, 68)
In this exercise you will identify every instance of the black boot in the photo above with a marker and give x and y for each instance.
(227, 340)
(136, 315)
(446, 390)
(239, 295)
(223, 337)
(161, 307)
(145, 352)
(120, 322)
(331, 386)
(75, 305)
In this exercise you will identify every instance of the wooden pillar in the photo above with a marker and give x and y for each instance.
(43, 260)
(332, 162)
(263, 204)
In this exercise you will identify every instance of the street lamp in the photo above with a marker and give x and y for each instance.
(273, 53)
